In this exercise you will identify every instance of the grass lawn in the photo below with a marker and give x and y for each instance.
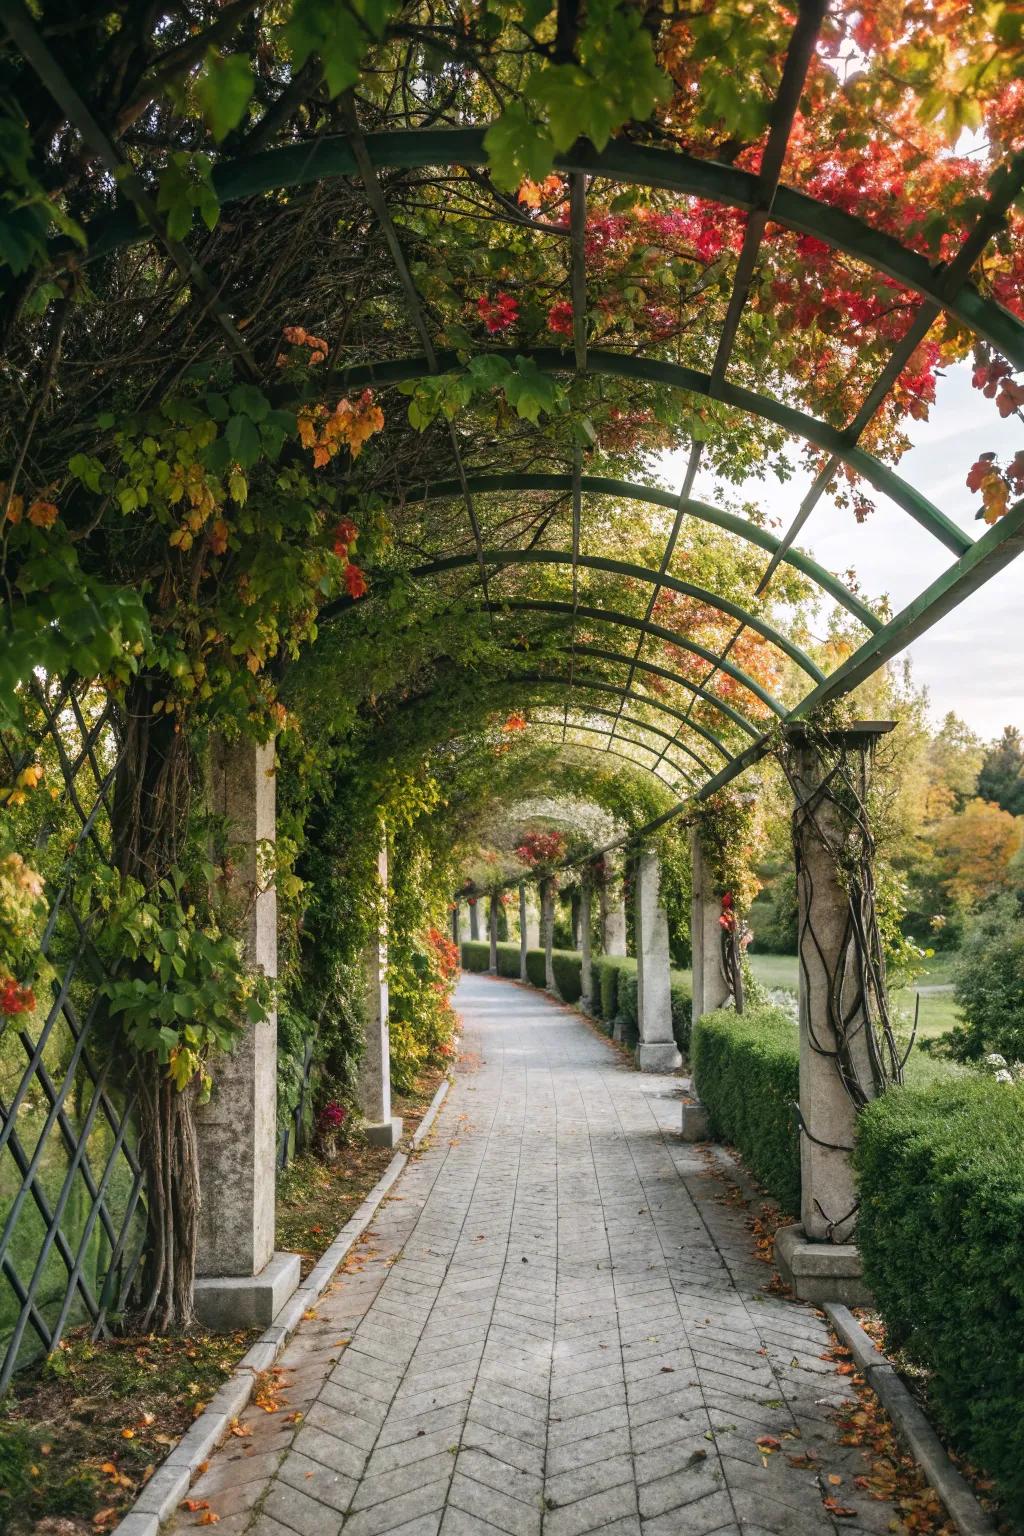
(938, 1010)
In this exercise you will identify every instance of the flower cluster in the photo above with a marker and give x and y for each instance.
(349, 426)
(539, 848)
(498, 314)
(15, 998)
(297, 337)
(332, 1116)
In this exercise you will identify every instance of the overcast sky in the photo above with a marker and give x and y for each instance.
(973, 660)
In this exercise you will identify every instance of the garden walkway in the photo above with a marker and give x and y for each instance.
(556, 1326)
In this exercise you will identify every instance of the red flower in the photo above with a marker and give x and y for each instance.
(355, 581)
(560, 318)
(345, 536)
(498, 314)
(15, 998)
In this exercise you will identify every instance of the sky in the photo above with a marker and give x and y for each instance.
(972, 661)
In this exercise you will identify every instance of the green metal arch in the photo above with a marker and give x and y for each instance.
(604, 485)
(628, 621)
(595, 730)
(652, 371)
(583, 649)
(637, 573)
(640, 725)
(302, 164)
(600, 685)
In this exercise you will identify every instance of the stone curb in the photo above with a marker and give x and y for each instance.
(924, 1444)
(171, 1481)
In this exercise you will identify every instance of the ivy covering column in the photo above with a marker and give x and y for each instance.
(547, 929)
(586, 961)
(710, 987)
(656, 1049)
(613, 916)
(492, 933)
(240, 1281)
(381, 1128)
(847, 1051)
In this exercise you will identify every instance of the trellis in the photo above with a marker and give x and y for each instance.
(72, 1214)
(110, 1178)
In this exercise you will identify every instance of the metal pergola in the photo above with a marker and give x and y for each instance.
(716, 756)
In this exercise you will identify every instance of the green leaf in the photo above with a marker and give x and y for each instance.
(518, 147)
(244, 440)
(224, 89)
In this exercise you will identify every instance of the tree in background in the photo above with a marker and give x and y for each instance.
(1001, 775)
(975, 851)
(989, 985)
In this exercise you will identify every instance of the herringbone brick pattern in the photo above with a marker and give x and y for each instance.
(555, 1327)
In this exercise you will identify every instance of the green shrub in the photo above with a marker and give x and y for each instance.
(607, 970)
(476, 955)
(508, 961)
(941, 1229)
(682, 1011)
(535, 967)
(568, 968)
(988, 985)
(626, 1015)
(746, 1071)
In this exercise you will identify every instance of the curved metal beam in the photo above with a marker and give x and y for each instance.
(501, 557)
(734, 715)
(600, 686)
(650, 370)
(628, 621)
(298, 165)
(627, 490)
(596, 730)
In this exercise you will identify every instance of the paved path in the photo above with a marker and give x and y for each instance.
(557, 1326)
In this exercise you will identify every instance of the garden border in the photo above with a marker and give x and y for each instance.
(171, 1481)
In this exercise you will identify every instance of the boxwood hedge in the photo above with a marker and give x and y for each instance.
(746, 1071)
(941, 1230)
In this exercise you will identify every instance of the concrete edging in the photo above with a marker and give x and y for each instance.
(171, 1481)
(912, 1425)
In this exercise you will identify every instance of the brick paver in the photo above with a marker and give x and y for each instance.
(556, 1326)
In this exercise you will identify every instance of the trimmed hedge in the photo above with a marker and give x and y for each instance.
(746, 1071)
(941, 1230)
(476, 956)
(607, 970)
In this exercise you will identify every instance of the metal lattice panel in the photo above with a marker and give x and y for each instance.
(71, 1213)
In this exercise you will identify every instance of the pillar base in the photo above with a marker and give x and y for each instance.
(695, 1126)
(226, 1303)
(820, 1271)
(660, 1057)
(387, 1133)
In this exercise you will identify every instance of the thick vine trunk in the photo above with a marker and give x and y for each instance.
(152, 796)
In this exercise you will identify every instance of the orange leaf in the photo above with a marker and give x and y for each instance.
(768, 1443)
(208, 1519)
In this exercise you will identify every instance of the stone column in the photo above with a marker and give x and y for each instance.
(574, 920)
(492, 933)
(547, 929)
(524, 931)
(532, 921)
(586, 965)
(374, 1086)
(710, 989)
(241, 1282)
(456, 934)
(656, 1049)
(828, 1194)
(474, 918)
(613, 917)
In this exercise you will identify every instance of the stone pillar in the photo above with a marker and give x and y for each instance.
(524, 931)
(710, 988)
(374, 1086)
(574, 920)
(586, 966)
(456, 933)
(613, 917)
(492, 933)
(532, 921)
(241, 1282)
(474, 918)
(547, 929)
(828, 1194)
(656, 1049)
